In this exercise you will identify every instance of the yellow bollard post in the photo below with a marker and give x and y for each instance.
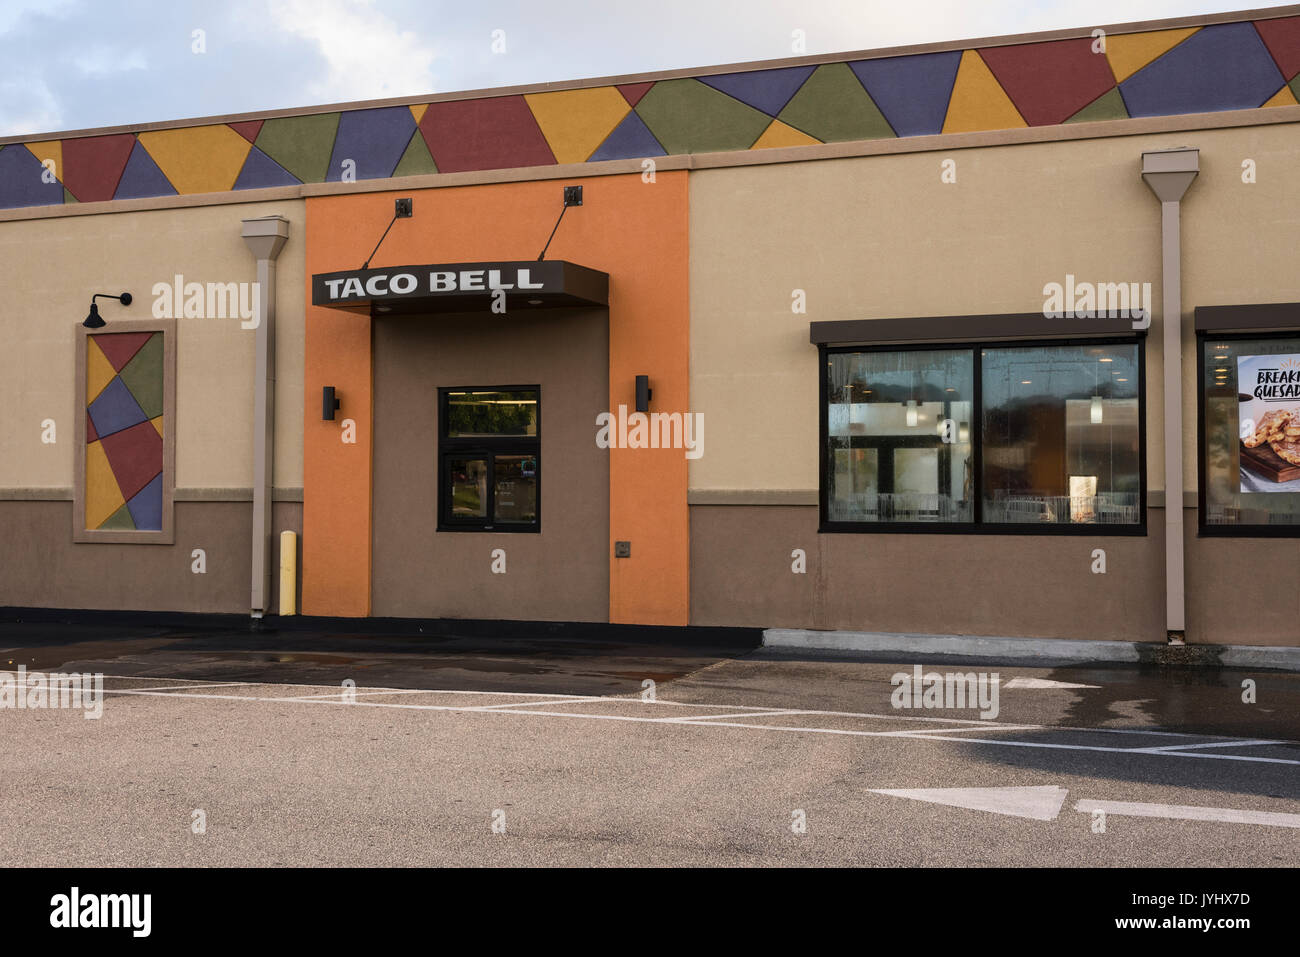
(288, 573)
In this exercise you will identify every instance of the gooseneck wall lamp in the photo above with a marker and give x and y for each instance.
(95, 320)
(572, 197)
(403, 208)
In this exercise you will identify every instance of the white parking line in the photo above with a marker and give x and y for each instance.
(1183, 812)
(348, 693)
(529, 704)
(928, 731)
(726, 719)
(743, 714)
(1212, 744)
(224, 684)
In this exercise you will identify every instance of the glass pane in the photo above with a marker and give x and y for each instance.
(899, 436)
(467, 479)
(516, 489)
(1252, 432)
(484, 413)
(1061, 435)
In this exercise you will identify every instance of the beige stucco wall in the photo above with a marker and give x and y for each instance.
(883, 236)
(49, 268)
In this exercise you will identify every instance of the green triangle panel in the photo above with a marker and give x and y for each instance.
(687, 116)
(68, 197)
(1108, 106)
(417, 159)
(301, 144)
(143, 376)
(833, 106)
(1295, 87)
(120, 519)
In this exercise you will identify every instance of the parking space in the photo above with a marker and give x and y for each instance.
(740, 759)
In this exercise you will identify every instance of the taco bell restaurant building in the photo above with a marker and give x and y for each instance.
(995, 337)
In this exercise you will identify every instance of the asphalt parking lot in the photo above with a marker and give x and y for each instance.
(528, 752)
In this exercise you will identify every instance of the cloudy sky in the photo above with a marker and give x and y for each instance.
(76, 64)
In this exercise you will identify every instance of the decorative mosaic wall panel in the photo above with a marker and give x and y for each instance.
(124, 482)
(1220, 66)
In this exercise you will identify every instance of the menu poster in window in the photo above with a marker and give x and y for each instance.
(1269, 410)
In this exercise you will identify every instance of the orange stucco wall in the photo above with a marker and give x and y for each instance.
(634, 230)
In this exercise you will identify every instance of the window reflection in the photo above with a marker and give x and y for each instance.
(1061, 436)
(899, 436)
(473, 413)
(516, 488)
(468, 480)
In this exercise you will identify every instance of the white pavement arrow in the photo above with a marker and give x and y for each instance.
(1042, 683)
(1040, 803)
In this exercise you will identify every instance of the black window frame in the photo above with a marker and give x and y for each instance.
(978, 526)
(488, 448)
(1204, 529)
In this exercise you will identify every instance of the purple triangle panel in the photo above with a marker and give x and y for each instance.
(146, 506)
(373, 140)
(911, 91)
(22, 180)
(631, 139)
(262, 172)
(1221, 67)
(142, 177)
(766, 90)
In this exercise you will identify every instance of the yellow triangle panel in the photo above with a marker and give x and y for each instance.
(1283, 97)
(198, 159)
(51, 149)
(99, 371)
(157, 422)
(103, 497)
(1130, 52)
(418, 112)
(978, 100)
(781, 134)
(576, 122)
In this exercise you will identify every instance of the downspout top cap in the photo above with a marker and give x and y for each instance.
(1169, 173)
(1182, 159)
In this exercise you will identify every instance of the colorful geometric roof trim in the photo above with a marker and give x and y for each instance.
(1282, 37)
(494, 133)
(142, 177)
(1050, 82)
(766, 90)
(911, 91)
(1184, 69)
(1221, 67)
(371, 141)
(25, 180)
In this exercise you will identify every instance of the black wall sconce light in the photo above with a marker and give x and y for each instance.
(95, 320)
(329, 403)
(643, 393)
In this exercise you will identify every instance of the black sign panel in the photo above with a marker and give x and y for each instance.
(458, 287)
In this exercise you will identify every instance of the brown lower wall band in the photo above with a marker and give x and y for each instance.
(1240, 591)
(43, 568)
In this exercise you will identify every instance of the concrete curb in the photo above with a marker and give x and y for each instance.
(1036, 649)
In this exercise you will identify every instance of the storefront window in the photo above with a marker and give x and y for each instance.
(898, 436)
(491, 451)
(1250, 466)
(992, 437)
(1061, 435)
